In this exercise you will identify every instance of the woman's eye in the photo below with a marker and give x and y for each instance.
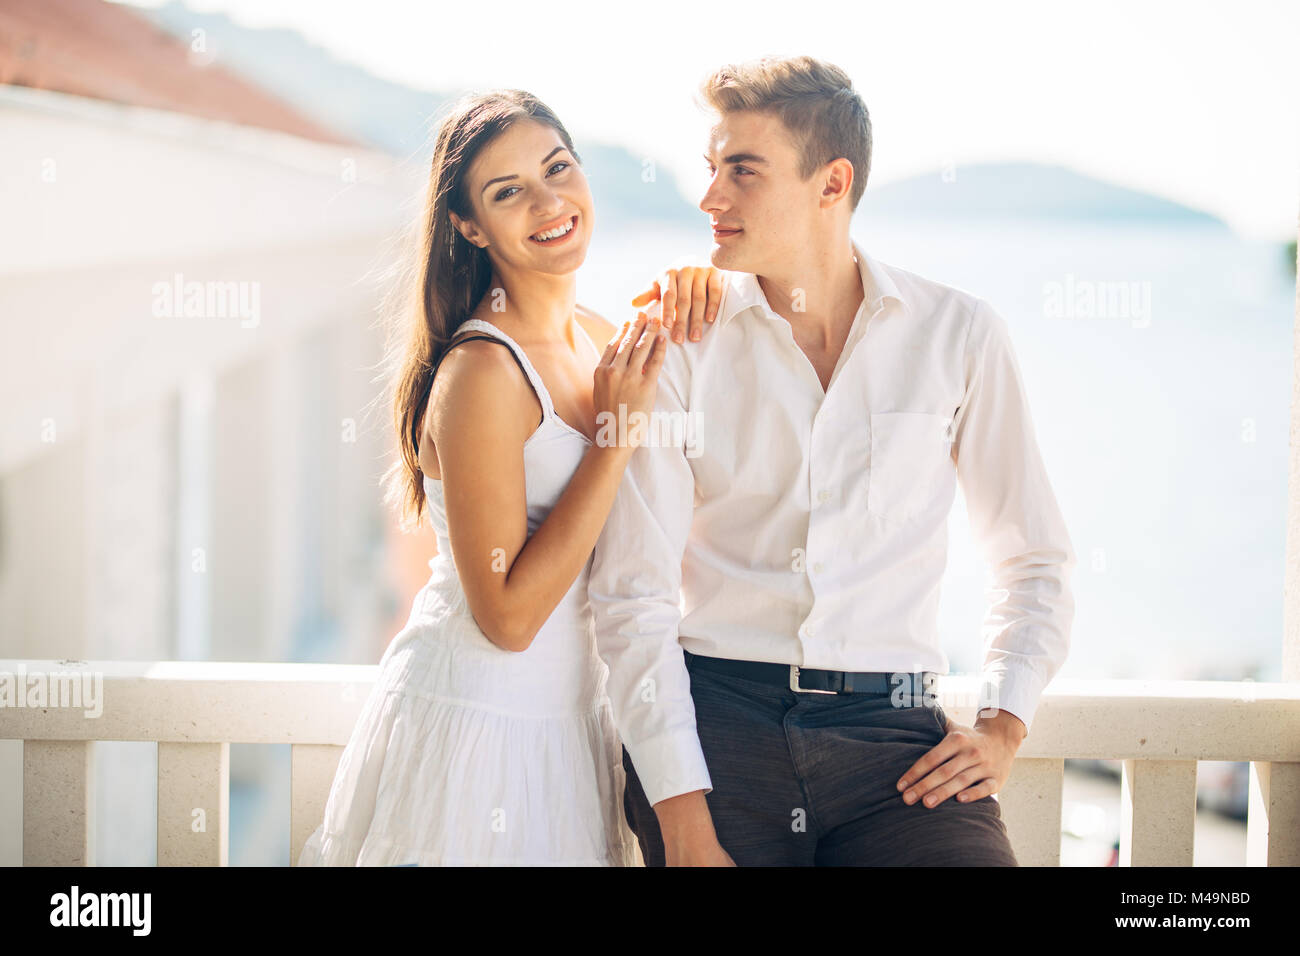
(506, 193)
(562, 164)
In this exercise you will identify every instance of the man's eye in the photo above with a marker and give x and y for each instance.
(741, 170)
(563, 164)
(506, 193)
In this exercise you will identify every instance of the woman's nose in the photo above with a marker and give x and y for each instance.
(546, 200)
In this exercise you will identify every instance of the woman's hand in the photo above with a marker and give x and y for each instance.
(689, 297)
(628, 376)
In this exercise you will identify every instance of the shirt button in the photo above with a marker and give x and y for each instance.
(807, 630)
(824, 495)
(818, 567)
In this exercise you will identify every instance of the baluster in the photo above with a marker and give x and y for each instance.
(1273, 817)
(1157, 812)
(1031, 809)
(193, 804)
(58, 803)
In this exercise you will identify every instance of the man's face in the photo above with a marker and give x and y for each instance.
(760, 209)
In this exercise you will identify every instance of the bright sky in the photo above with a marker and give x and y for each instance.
(1195, 101)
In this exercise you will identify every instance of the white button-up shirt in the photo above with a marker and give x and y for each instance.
(788, 524)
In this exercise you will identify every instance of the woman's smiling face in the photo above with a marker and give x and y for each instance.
(532, 207)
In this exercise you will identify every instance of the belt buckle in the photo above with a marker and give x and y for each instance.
(794, 683)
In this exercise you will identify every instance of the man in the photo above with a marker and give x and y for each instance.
(765, 590)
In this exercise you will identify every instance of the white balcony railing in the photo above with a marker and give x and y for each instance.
(194, 711)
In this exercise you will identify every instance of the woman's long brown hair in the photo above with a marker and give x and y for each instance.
(445, 279)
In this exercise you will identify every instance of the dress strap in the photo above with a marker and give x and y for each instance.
(493, 334)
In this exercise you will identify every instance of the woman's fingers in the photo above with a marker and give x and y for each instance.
(649, 295)
(689, 298)
(714, 287)
(668, 299)
(658, 350)
(644, 346)
(611, 348)
(683, 281)
(631, 335)
(699, 300)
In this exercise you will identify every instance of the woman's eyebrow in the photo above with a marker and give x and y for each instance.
(502, 179)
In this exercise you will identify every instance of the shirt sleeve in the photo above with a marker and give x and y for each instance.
(1017, 526)
(634, 586)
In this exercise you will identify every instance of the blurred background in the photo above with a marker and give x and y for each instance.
(202, 203)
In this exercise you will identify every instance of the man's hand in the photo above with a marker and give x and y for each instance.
(687, 831)
(971, 762)
(691, 294)
(700, 853)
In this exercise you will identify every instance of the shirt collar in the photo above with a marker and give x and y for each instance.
(744, 292)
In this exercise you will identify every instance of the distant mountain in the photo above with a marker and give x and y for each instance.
(1023, 191)
(393, 117)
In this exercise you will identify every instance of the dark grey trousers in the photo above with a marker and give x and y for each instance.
(809, 780)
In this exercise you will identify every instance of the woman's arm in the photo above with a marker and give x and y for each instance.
(481, 413)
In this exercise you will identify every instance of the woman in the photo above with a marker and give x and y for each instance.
(488, 738)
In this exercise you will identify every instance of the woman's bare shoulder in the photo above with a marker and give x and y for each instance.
(480, 385)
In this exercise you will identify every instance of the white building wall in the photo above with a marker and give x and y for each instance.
(178, 486)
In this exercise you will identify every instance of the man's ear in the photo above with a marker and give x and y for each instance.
(837, 181)
(467, 229)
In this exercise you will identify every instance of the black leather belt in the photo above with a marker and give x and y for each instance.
(808, 680)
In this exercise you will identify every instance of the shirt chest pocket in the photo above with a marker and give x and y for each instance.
(911, 462)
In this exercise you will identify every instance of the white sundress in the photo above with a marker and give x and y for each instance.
(467, 754)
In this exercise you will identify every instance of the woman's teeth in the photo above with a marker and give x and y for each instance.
(554, 233)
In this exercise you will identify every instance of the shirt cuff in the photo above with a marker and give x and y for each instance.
(670, 765)
(1015, 690)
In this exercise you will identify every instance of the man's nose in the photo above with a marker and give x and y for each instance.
(712, 199)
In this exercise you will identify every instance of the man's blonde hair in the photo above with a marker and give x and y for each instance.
(814, 99)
